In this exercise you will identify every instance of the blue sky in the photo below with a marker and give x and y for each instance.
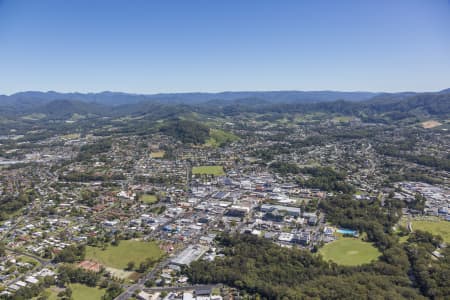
(179, 46)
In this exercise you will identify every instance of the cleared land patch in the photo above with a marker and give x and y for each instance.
(70, 136)
(148, 199)
(342, 119)
(157, 154)
(219, 137)
(349, 252)
(430, 124)
(81, 291)
(208, 170)
(432, 225)
(119, 256)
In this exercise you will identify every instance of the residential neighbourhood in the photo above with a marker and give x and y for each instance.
(112, 194)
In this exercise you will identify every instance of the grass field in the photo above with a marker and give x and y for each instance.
(349, 252)
(343, 119)
(119, 256)
(79, 292)
(208, 170)
(70, 136)
(431, 225)
(158, 154)
(148, 199)
(30, 260)
(34, 116)
(49, 293)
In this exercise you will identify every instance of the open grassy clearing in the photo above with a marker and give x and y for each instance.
(349, 252)
(49, 294)
(343, 119)
(119, 256)
(430, 124)
(81, 291)
(119, 273)
(76, 117)
(219, 137)
(432, 225)
(27, 259)
(70, 136)
(208, 170)
(157, 154)
(148, 199)
(34, 117)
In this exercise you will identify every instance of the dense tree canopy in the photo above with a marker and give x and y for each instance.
(261, 267)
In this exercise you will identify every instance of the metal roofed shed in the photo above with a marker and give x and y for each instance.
(188, 255)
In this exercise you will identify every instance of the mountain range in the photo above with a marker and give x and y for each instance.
(58, 105)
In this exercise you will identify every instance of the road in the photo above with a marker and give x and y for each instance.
(149, 276)
(182, 288)
(152, 274)
(42, 263)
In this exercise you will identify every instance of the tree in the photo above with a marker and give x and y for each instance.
(66, 294)
(114, 289)
(2, 249)
(130, 266)
(71, 254)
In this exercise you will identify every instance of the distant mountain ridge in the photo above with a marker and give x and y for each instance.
(64, 105)
(119, 98)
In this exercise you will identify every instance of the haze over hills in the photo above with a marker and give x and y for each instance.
(61, 105)
(118, 98)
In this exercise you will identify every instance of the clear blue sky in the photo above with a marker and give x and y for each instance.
(188, 45)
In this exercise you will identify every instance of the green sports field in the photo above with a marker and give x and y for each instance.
(441, 228)
(432, 225)
(208, 170)
(79, 291)
(148, 199)
(349, 252)
(119, 256)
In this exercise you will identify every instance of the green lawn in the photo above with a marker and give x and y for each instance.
(148, 199)
(342, 119)
(79, 292)
(432, 225)
(49, 293)
(208, 170)
(28, 260)
(119, 256)
(158, 154)
(349, 252)
(84, 292)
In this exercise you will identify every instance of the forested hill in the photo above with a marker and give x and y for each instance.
(432, 104)
(369, 107)
(117, 98)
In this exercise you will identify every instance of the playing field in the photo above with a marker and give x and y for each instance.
(119, 256)
(349, 252)
(148, 199)
(208, 170)
(159, 154)
(79, 291)
(431, 225)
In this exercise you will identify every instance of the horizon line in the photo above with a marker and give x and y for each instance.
(219, 92)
